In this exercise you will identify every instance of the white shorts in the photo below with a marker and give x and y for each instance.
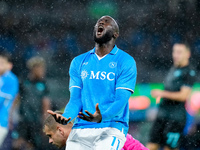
(3, 134)
(96, 139)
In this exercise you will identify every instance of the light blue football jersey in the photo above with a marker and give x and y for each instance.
(98, 79)
(9, 87)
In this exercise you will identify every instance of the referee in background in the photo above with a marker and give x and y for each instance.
(170, 122)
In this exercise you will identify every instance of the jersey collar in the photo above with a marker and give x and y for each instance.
(113, 52)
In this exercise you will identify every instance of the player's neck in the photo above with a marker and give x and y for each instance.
(103, 49)
(33, 77)
(183, 64)
(2, 73)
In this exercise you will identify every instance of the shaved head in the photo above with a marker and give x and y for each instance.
(114, 23)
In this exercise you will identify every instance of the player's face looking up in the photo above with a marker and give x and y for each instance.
(56, 137)
(105, 29)
(181, 55)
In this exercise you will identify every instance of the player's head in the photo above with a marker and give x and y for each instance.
(181, 54)
(105, 30)
(37, 67)
(56, 132)
(5, 61)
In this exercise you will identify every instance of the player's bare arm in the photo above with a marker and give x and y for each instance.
(46, 106)
(59, 118)
(181, 95)
(96, 117)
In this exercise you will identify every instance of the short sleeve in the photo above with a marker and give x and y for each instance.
(189, 78)
(74, 73)
(127, 76)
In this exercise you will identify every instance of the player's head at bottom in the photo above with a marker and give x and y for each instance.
(57, 133)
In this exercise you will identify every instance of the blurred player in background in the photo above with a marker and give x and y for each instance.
(101, 80)
(58, 134)
(9, 87)
(168, 127)
(34, 103)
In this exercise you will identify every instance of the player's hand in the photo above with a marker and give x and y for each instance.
(96, 117)
(59, 118)
(157, 93)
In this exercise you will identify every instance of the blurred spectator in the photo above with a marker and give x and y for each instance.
(8, 91)
(150, 28)
(33, 106)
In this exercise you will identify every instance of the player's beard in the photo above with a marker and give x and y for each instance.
(103, 39)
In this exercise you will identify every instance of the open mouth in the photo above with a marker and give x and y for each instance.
(100, 30)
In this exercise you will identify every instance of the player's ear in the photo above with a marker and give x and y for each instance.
(61, 131)
(115, 35)
(189, 54)
(10, 66)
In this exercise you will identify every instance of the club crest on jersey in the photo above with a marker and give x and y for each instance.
(112, 64)
(84, 74)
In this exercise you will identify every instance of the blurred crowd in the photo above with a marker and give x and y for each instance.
(57, 31)
(60, 30)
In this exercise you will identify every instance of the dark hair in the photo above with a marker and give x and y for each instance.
(5, 54)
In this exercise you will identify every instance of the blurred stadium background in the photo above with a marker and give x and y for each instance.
(62, 29)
